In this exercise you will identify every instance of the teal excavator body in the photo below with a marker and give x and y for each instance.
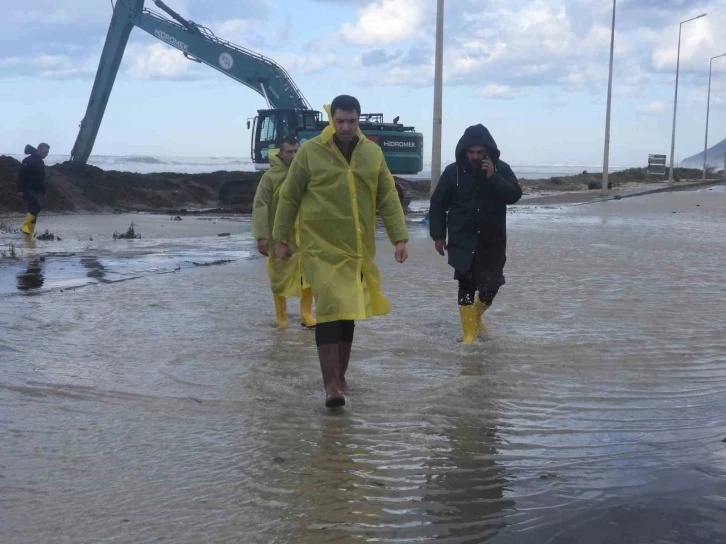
(289, 113)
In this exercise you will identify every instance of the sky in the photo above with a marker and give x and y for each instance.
(535, 72)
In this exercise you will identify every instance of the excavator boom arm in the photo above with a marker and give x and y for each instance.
(257, 72)
(198, 43)
(119, 30)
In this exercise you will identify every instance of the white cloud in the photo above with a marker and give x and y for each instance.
(718, 94)
(499, 91)
(156, 60)
(386, 21)
(36, 16)
(653, 107)
(306, 64)
(52, 66)
(11, 61)
(700, 40)
(599, 36)
(234, 27)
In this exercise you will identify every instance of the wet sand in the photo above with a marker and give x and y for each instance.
(167, 408)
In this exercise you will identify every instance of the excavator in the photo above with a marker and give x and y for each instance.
(288, 113)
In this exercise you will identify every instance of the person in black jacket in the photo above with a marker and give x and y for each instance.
(31, 183)
(470, 202)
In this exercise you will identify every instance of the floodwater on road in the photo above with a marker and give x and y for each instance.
(146, 397)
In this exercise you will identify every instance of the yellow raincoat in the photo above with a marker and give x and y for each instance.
(285, 276)
(337, 204)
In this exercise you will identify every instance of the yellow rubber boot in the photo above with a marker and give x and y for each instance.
(481, 307)
(306, 308)
(468, 323)
(29, 224)
(281, 311)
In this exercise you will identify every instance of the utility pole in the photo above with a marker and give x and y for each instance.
(606, 159)
(438, 93)
(708, 105)
(675, 100)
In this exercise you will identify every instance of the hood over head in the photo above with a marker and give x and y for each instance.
(476, 135)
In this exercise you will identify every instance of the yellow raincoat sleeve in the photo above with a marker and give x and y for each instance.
(261, 228)
(291, 195)
(389, 206)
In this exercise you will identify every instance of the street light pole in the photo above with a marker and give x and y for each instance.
(606, 158)
(675, 101)
(438, 92)
(708, 106)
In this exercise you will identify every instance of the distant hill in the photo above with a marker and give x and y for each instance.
(714, 157)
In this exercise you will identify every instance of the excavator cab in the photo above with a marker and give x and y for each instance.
(271, 126)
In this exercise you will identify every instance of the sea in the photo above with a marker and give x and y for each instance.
(145, 164)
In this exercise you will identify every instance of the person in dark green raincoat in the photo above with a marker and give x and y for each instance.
(469, 206)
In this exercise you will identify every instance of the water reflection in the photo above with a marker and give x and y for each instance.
(466, 481)
(465, 488)
(96, 270)
(32, 277)
(431, 477)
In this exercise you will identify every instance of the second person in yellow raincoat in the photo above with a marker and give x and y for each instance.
(285, 276)
(336, 183)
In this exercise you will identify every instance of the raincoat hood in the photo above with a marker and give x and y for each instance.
(274, 158)
(329, 131)
(476, 135)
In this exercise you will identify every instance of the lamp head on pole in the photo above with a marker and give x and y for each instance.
(694, 18)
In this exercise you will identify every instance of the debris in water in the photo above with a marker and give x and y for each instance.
(9, 253)
(128, 235)
(223, 234)
(278, 460)
(47, 236)
(7, 229)
(213, 263)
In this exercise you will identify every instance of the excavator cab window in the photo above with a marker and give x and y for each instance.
(268, 132)
(272, 127)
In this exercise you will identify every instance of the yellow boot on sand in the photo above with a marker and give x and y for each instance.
(29, 224)
(469, 323)
(306, 309)
(281, 311)
(481, 307)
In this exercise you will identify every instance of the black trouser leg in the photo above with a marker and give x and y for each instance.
(487, 297)
(334, 332)
(344, 348)
(467, 292)
(34, 201)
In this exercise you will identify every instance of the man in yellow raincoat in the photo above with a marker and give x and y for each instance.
(285, 276)
(336, 183)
